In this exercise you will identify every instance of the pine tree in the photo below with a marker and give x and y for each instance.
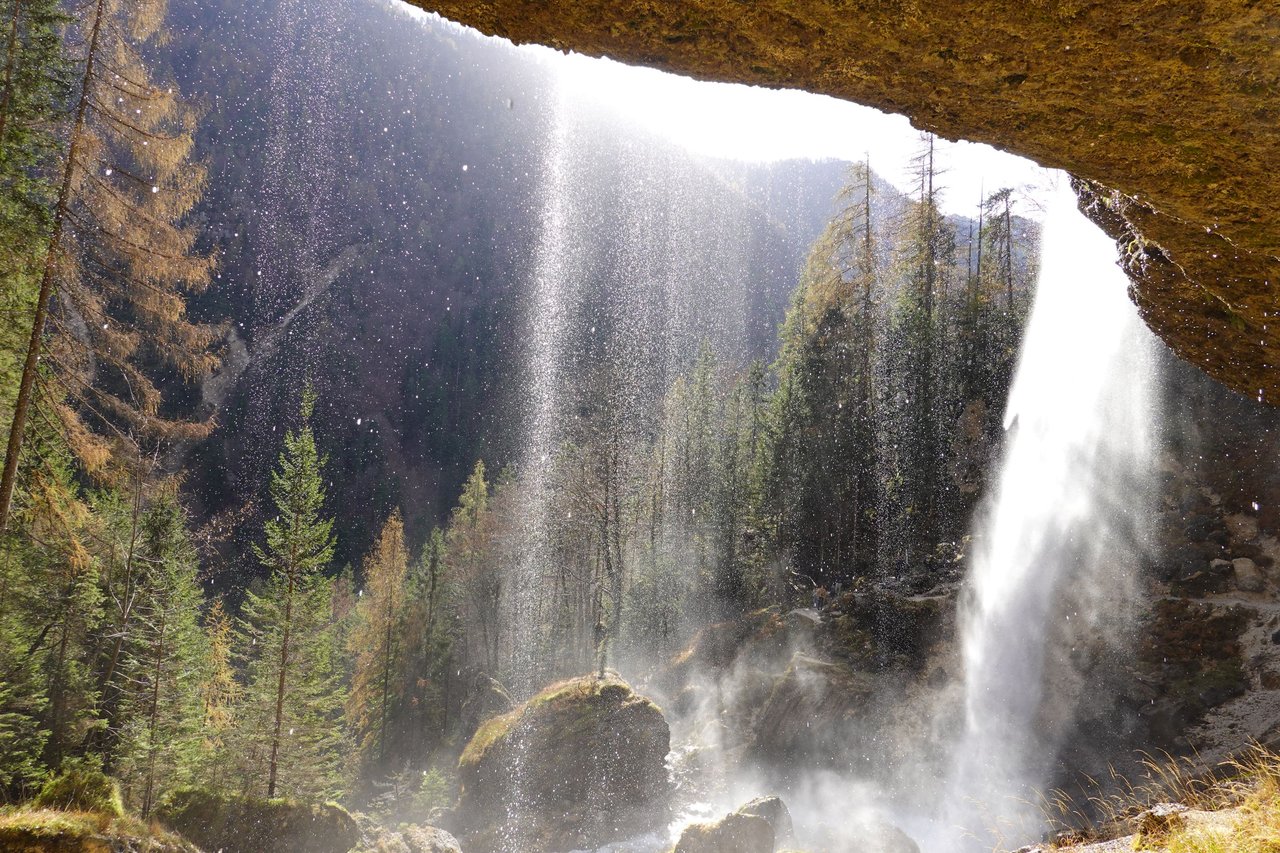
(116, 256)
(285, 630)
(376, 643)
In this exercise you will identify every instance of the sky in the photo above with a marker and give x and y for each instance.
(752, 123)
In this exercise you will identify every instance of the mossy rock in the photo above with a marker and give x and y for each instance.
(40, 830)
(234, 824)
(734, 833)
(581, 763)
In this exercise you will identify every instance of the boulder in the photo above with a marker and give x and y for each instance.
(812, 701)
(429, 839)
(774, 810)
(1159, 820)
(235, 824)
(734, 833)
(868, 836)
(1248, 576)
(1243, 528)
(581, 763)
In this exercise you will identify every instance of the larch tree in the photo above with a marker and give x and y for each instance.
(479, 580)
(118, 261)
(375, 643)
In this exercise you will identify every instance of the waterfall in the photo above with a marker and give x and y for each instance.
(1064, 526)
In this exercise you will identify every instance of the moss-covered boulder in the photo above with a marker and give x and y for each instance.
(41, 830)
(734, 833)
(580, 764)
(234, 824)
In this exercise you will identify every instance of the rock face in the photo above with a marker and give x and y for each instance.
(1166, 108)
(581, 763)
(246, 825)
(813, 700)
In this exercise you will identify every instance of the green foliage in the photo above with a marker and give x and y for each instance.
(81, 786)
(288, 731)
(239, 824)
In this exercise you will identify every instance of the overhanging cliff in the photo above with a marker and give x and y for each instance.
(1168, 109)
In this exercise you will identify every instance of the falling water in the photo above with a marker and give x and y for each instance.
(1064, 525)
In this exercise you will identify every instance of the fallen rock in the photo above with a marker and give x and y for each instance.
(774, 810)
(580, 764)
(1160, 820)
(429, 839)
(734, 833)
(1243, 528)
(234, 824)
(813, 700)
(1248, 577)
(868, 836)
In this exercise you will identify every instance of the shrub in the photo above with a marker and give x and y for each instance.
(81, 786)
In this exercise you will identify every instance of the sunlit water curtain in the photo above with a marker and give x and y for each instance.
(1059, 541)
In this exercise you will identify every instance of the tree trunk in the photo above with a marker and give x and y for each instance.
(273, 767)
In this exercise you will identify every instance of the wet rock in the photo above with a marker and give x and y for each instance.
(1182, 562)
(429, 839)
(406, 839)
(1248, 577)
(774, 810)
(1216, 578)
(235, 824)
(733, 833)
(904, 628)
(715, 647)
(812, 701)
(1243, 528)
(486, 699)
(581, 763)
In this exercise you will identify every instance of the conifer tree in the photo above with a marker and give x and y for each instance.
(286, 629)
(478, 578)
(428, 637)
(162, 713)
(376, 643)
(116, 255)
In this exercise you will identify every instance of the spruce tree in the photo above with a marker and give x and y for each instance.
(161, 715)
(285, 636)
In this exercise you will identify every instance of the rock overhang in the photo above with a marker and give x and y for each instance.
(1168, 111)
